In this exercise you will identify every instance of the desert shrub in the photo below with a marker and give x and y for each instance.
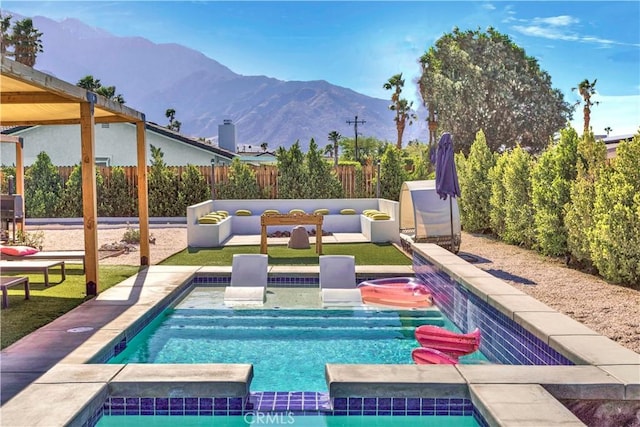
(579, 211)
(163, 187)
(475, 186)
(193, 188)
(291, 172)
(117, 198)
(131, 235)
(615, 237)
(392, 173)
(241, 183)
(497, 211)
(517, 189)
(551, 180)
(42, 188)
(321, 182)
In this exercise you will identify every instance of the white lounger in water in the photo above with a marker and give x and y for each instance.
(338, 280)
(248, 279)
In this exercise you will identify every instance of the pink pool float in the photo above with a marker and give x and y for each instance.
(396, 292)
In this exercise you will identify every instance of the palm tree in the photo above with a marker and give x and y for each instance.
(334, 137)
(401, 106)
(5, 37)
(264, 146)
(608, 130)
(89, 83)
(173, 123)
(328, 150)
(26, 42)
(586, 89)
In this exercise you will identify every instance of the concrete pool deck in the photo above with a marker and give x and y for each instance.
(51, 365)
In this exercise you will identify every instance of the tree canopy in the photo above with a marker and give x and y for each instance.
(482, 80)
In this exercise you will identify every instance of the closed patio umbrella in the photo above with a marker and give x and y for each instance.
(446, 174)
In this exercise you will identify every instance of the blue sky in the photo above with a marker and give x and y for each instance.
(360, 44)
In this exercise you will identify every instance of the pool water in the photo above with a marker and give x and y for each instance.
(288, 348)
(283, 419)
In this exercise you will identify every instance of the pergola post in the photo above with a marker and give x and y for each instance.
(89, 203)
(143, 202)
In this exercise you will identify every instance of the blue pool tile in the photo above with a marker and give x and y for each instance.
(399, 403)
(384, 412)
(384, 403)
(220, 403)
(355, 403)
(235, 403)
(413, 404)
(370, 403)
(205, 403)
(340, 403)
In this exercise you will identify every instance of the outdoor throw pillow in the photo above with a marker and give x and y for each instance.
(295, 211)
(17, 250)
(223, 214)
(348, 212)
(243, 212)
(380, 216)
(208, 220)
(321, 211)
(270, 211)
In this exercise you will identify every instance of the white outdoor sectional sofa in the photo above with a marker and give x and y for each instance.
(214, 235)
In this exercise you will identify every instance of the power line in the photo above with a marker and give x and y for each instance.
(355, 123)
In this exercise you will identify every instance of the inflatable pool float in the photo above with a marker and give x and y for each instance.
(397, 292)
(451, 343)
(431, 356)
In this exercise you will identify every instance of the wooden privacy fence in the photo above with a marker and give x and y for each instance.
(266, 177)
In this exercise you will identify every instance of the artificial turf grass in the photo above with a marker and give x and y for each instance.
(48, 303)
(365, 254)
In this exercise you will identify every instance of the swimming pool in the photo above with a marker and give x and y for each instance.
(287, 348)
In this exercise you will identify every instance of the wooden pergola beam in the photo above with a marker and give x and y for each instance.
(33, 98)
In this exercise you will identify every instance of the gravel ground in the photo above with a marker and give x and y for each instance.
(611, 310)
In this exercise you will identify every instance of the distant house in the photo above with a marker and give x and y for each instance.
(113, 145)
(612, 142)
(256, 157)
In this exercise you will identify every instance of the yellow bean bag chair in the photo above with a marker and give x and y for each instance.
(348, 212)
(243, 212)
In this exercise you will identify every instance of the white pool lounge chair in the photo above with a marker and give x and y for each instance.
(248, 279)
(338, 280)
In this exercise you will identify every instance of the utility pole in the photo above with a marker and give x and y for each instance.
(355, 123)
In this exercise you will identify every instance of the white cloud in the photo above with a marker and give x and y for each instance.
(488, 6)
(560, 28)
(557, 21)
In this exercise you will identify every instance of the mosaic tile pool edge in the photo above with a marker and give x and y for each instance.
(503, 340)
(295, 403)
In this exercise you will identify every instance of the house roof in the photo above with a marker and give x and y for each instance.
(189, 141)
(153, 127)
(30, 97)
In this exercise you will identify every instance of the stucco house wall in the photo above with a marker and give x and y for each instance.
(115, 146)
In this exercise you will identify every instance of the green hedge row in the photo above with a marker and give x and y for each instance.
(569, 201)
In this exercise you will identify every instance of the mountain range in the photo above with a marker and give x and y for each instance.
(154, 77)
